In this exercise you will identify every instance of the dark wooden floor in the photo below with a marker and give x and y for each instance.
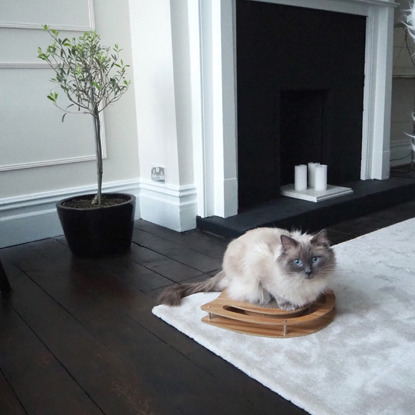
(77, 336)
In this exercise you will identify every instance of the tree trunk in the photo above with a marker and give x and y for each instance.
(97, 125)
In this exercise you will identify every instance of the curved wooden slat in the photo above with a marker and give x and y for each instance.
(271, 322)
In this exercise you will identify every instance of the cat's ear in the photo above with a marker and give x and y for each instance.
(288, 243)
(321, 239)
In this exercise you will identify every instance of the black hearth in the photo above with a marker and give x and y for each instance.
(300, 75)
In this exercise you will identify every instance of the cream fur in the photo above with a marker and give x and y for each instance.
(253, 272)
(257, 268)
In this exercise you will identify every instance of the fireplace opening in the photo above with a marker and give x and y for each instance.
(303, 130)
(300, 80)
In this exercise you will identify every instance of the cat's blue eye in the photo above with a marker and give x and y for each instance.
(315, 259)
(298, 262)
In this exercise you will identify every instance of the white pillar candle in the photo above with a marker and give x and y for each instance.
(300, 177)
(321, 177)
(311, 173)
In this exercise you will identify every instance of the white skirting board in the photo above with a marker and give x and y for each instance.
(33, 217)
(312, 195)
(174, 207)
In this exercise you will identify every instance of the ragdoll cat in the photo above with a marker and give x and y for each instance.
(269, 264)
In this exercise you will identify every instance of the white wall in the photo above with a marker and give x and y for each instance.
(403, 105)
(41, 159)
(161, 54)
(122, 164)
(403, 92)
(154, 86)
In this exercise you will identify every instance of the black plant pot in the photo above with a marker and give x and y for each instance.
(98, 231)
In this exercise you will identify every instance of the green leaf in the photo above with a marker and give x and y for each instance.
(81, 63)
(53, 96)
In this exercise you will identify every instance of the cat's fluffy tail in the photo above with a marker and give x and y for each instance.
(173, 295)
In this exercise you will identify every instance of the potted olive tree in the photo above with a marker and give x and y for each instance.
(92, 77)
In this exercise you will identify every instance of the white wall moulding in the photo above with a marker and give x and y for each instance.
(32, 217)
(23, 65)
(73, 15)
(219, 63)
(174, 207)
(46, 163)
(32, 132)
(34, 135)
(33, 26)
(20, 46)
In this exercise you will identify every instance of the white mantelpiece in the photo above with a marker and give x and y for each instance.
(216, 145)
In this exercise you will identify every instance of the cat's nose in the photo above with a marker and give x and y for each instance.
(308, 271)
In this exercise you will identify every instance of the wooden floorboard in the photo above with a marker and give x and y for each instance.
(9, 403)
(107, 379)
(191, 257)
(77, 336)
(210, 245)
(38, 378)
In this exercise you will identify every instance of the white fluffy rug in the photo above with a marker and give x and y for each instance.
(363, 362)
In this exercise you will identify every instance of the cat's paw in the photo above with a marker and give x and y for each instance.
(286, 305)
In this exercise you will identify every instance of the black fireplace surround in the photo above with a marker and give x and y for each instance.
(300, 78)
